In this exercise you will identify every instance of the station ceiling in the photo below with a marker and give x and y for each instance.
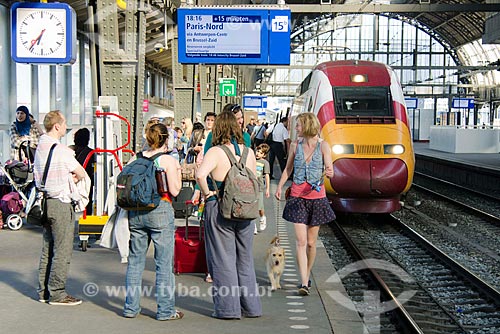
(457, 22)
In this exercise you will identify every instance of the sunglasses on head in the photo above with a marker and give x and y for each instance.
(235, 107)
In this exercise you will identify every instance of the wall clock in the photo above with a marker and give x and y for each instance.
(43, 33)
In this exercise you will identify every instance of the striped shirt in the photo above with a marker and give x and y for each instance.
(63, 162)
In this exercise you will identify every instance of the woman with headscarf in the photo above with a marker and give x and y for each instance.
(23, 130)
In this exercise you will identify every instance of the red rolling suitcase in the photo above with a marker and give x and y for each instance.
(189, 249)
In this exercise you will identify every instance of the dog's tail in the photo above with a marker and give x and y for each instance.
(275, 241)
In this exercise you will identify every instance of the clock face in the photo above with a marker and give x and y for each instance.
(41, 33)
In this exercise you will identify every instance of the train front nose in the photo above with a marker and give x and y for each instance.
(369, 177)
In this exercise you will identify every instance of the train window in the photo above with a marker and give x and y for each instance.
(362, 101)
(304, 86)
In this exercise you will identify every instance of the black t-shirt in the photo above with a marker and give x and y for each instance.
(250, 128)
(81, 154)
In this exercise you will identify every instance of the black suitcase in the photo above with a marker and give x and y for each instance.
(181, 210)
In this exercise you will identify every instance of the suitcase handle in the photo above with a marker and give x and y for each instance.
(189, 206)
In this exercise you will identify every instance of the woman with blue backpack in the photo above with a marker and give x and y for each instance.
(155, 225)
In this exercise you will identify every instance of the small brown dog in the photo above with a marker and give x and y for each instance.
(275, 263)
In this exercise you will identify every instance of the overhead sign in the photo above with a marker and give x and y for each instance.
(411, 103)
(462, 103)
(214, 35)
(227, 87)
(254, 101)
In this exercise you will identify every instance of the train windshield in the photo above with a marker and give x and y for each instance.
(362, 101)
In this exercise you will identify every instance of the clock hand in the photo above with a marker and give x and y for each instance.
(36, 40)
(40, 37)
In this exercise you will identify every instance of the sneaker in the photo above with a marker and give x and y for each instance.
(68, 301)
(304, 290)
(255, 230)
(131, 315)
(263, 223)
(177, 316)
(41, 300)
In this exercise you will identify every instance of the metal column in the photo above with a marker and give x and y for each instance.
(184, 86)
(121, 59)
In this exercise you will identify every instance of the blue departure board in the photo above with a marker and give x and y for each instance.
(254, 101)
(234, 36)
(465, 103)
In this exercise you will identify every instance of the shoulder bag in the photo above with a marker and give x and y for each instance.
(37, 203)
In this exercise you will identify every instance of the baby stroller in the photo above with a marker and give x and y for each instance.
(16, 180)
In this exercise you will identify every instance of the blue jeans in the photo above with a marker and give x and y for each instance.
(156, 225)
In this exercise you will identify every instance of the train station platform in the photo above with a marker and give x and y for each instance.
(97, 277)
(483, 160)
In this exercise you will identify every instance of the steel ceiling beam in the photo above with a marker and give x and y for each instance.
(396, 8)
(394, 67)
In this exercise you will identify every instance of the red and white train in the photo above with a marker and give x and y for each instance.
(361, 108)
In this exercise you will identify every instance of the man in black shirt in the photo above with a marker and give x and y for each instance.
(251, 125)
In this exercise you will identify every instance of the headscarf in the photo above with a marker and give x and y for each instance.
(24, 127)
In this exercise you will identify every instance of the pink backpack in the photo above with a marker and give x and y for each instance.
(11, 203)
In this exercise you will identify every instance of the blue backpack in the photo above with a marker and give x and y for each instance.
(136, 187)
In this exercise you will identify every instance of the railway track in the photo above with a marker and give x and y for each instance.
(470, 235)
(477, 202)
(447, 297)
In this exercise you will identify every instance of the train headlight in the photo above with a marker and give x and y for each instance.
(359, 78)
(343, 149)
(394, 149)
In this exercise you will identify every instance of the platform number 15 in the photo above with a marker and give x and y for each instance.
(279, 24)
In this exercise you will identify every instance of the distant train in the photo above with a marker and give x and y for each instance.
(361, 108)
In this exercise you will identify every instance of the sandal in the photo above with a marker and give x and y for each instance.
(177, 316)
(308, 285)
(304, 291)
(208, 279)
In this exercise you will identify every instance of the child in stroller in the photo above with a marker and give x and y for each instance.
(16, 181)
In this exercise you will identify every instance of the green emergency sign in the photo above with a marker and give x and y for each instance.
(227, 87)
